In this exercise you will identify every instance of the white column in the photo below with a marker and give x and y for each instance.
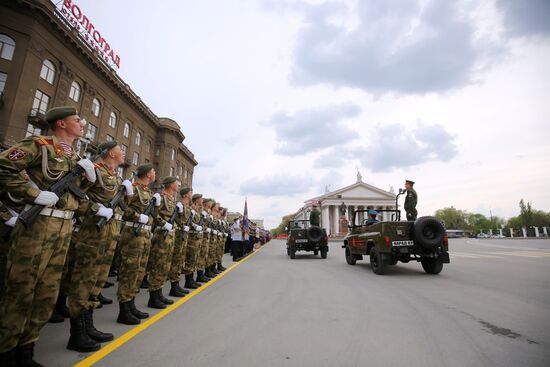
(536, 231)
(324, 218)
(545, 231)
(490, 232)
(511, 233)
(524, 230)
(335, 218)
(500, 231)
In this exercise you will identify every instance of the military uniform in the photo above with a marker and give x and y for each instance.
(314, 217)
(194, 245)
(410, 203)
(180, 249)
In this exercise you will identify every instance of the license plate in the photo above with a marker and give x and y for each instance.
(402, 243)
(301, 240)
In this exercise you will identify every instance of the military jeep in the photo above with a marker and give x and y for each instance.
(388, 242)
(304, 237)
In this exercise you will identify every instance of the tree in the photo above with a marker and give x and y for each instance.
(452, 217)
(281, 227)
(479, 223)
(526, 213)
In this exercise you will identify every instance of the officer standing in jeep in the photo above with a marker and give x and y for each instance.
(410, 200)
(314, 216)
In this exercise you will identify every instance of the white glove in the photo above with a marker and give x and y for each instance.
(193, 212)
(88, 168)
(105, 212)
(180, 207)
(198, 228)
(167, 227)
(157, 199)
(214, 231)
(11, 222)
(208, 230)
(46, 198)
(128, 187)
(143, 219)
(186, 228)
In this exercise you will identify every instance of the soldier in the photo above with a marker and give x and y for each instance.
(210, 270)
(37, 253)
(162, 244)
(90, 246)
(207, 232)
(180, 243)
(372, 217)
(410, 200)
(135, 247)
(314, 216)
(194, 243)
(223, 239)
(236, 239)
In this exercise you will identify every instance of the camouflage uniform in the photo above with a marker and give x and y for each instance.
(205, 244)
(410, 204)
(9, 206)
(134, 250)
(36, 257)
(161, 247)
(179, 254)
(194, 244)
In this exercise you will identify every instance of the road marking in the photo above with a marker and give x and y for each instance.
(534, 254)
(470, 255)
(499, 254)
(124, 338)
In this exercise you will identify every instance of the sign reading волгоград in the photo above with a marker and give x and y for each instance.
(73, 15)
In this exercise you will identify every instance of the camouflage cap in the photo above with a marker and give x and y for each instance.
(185, 190)
(59, 113)
(196, 196)
(206, 200)
(104, 148)
(144, 169)
(168, 180)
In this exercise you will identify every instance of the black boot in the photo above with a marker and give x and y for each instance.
(113, 271)
(92, 332)
(201, 278)
(23, 356)
(155, 301)
(165, 300)
(190, 282)
(209, 273)
(61, 306)
(125, 316)
(104, 300)
(221, 267)
(108, 284)
(214, 270)
(176, 290)
(6, 359)
(145, 282)
(56, 317)
(79, 340)
(137, 313)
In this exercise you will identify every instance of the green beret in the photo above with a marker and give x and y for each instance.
(213, 202)
(196, 196)
(184, 191)
(144, 169)
(59, 113)
(168, 180)
(206, 200)
(104, 148)
(410, 182)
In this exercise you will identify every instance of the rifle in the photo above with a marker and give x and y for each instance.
(117, 200)
(68, 182)
(147, 211)
(172, 219)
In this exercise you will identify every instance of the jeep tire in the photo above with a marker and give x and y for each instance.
(350, 258)
(314, 234)
(428, 232)
(324, 252)
(292, 252)
(377, 262)
(432, 266)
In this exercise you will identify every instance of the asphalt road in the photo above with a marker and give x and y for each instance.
(489, 307)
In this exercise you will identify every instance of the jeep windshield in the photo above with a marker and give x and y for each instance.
(361, 216)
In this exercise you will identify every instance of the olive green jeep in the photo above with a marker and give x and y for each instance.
(301, 236)
(388, 242)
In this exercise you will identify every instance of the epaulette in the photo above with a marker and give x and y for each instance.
(98, 165)
(43, 141)
(135, 184)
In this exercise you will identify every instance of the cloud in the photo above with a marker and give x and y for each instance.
(395, 146)
(312, 129)
(396, 46)
(335, 158)
(277, 185)
(525, 18)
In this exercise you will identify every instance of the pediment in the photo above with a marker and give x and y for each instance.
(359, 190)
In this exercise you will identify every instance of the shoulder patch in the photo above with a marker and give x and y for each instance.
(43, 141)
(17, 154)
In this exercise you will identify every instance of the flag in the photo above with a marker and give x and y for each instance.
(245, 216)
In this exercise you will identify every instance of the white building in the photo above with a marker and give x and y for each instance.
(360, 195)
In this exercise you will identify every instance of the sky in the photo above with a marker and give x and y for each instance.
(282, 100)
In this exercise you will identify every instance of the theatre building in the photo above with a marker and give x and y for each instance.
(51, 55)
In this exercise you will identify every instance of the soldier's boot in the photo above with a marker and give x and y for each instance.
(145, 282)
(79, 339)
(214, 270)
(113, 271)
(108, 284)
(56, 317)
(104, 300)
(221, 267)
(209, 272)
(201, 278)
(165, 300)
(154, 300)
(23, 354)
(61, 306)
(6, 359)
(125, 316)
(92, 332)
(190, 282)
(176, 290)
(137, 313)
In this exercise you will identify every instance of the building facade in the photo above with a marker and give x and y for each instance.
(45, 62)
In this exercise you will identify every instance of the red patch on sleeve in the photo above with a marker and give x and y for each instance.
(17, 154)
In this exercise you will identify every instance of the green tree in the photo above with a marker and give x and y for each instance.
(281, 227)
(479, 223)
(526, 213)
(452, 217)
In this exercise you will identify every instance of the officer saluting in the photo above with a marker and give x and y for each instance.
(37, 253)
(410, 200)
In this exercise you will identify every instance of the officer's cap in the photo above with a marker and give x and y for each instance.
(104, 148)
(168, 180)
(206, 200)
(144, 169)
(196, 197)
(184, 191)
(409, 182)
(372, 212)
(59, 113)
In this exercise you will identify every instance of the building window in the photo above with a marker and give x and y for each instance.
(33, 130)
(135, 158)
(138, 138)
(74, 93)
(185, 174)
(173, 154)
(109, 138)
(48, 71)
(148, 146)
(157, 150)
(126, 131)
(7, 46)
(171, 171)
(112, 119)
(96, 107)
(40, 103)
(124, 149)
(181, 170)
(120, 171)
(92, 131)
(3, 78)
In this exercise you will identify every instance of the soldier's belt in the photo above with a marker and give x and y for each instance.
(135, 225)
(56, 213)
